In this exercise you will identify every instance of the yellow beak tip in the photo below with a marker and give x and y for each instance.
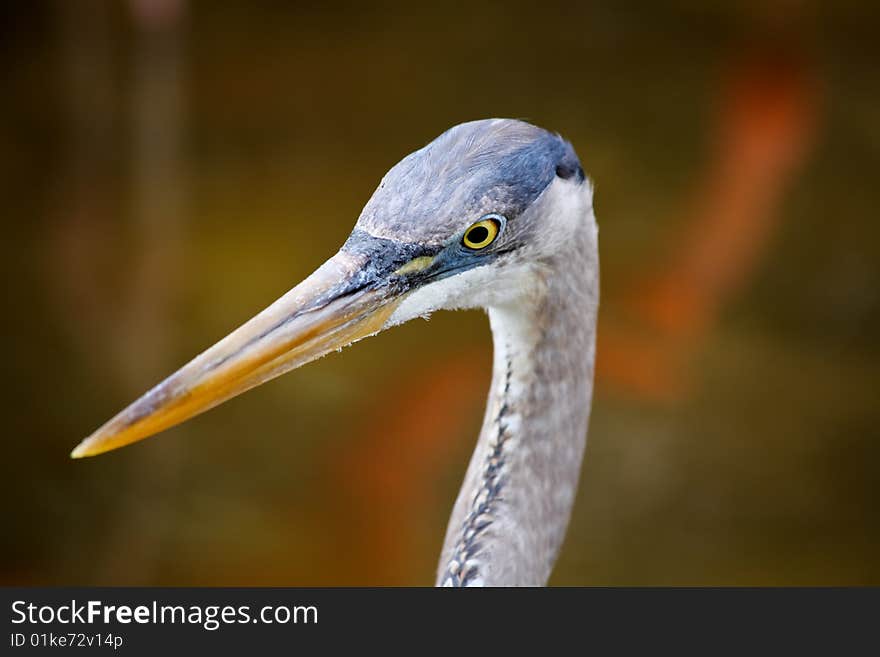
(80, 451)
(301, 326)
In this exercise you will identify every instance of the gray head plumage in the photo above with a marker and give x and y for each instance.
(423, 205)
(492, 165)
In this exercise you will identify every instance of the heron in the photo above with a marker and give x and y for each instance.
(494, 214)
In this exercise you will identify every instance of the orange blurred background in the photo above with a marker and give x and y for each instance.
(171, 167)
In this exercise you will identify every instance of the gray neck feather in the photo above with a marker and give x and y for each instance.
(511, 515)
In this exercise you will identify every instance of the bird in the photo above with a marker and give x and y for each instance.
(495, 214)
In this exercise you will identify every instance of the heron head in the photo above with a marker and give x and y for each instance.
(459, 223)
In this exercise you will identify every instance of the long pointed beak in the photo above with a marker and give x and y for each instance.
(335, 306)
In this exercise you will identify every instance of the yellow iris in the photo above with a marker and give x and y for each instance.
(481, 234)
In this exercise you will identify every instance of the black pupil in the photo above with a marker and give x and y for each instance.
(478, 234)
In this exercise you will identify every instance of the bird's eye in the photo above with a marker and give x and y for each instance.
(483, 233)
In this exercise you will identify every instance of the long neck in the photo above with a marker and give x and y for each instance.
(511, 515)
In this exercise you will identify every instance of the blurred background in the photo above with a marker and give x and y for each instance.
(169, 168)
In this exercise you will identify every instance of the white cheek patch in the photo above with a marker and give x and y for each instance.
(481, 287)
(468, 289)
